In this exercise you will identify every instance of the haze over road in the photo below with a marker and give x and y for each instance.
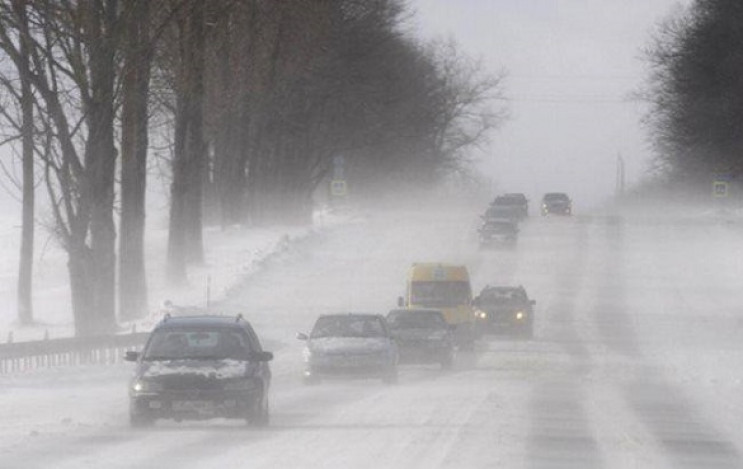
(635, 362)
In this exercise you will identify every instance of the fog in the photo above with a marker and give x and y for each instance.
(638, 341)
(635, 360)
(572, 66)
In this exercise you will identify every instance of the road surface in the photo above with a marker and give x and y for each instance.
(635, 362)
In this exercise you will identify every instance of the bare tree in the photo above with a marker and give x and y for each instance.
(25, 271)
(72, 69)
(138, 47)
(185, 244)
(696, 68)
(16, 14)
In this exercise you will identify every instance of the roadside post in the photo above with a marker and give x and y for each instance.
(338, 185)
(721, 193)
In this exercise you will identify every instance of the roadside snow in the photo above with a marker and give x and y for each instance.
(232, 255)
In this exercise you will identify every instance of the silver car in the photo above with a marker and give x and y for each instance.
(350, 345)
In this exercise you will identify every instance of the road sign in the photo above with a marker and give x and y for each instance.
(720, 189)
(338, 188)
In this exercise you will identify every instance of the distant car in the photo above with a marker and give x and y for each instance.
(556, 203)
(422, 336)
(350, 344)
(498, 232)
(503, 309)
(501, 212)
(199, 367)
(517, 203)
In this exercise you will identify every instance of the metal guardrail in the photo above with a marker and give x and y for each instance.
(48, 353)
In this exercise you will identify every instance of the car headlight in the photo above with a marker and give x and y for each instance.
(520, 315)
(240, 385)
(143, 385)
(482, 315)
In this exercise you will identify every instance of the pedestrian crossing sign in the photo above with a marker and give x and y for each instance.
(720, 189)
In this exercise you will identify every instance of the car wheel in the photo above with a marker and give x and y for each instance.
(260, 417)
(140, 421)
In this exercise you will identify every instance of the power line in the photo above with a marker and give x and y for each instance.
(571, 99)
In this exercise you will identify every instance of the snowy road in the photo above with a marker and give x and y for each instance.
(636, 361)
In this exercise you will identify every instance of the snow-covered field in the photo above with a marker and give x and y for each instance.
(635, 363)
(231, 256)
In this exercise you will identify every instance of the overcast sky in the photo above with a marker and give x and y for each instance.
(571, 66)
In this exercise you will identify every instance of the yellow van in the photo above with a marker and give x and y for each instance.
(445, 287)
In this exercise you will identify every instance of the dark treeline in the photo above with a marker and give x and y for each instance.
(696, 94)
(256, 99)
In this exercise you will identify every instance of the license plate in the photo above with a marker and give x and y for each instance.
(193, 406)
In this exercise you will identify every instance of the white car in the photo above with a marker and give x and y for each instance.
(350, 345)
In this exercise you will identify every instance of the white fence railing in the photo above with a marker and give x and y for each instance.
(48, 353)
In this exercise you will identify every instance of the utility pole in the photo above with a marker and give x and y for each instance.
(620, 176)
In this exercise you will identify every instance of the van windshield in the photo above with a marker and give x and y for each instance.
(440, 294)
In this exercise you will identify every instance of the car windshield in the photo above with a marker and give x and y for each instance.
(507, 201)
(499, 226)
(416, 320)
(347, 326)
(440, 294)
(198, 344)
(502, 295)
(555, 197)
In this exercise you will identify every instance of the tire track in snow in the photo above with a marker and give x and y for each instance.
(682, 436)
(560, 434)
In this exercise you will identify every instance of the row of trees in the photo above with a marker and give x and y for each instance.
(696, 92)
(255, 98)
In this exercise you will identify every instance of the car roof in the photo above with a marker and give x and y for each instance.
(351, 315)
(555, 195)
(503, 288)
(202, 320)
(415, 310)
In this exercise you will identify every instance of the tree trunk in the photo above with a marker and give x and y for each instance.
(25, 269)
(80, 266)
(185, 243)
(195, 145)
(176, 258)
(132, 276)
(100, 161)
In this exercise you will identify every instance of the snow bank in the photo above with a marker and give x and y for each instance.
(231, 256)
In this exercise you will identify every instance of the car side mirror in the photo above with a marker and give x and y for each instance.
(131, 356)
(302, 336)
(400, 301)
(261, 356)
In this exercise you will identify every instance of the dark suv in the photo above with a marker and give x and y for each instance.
(199, 367)
(514, 205)
(556, 203)
(422, 336)
(505, 310)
